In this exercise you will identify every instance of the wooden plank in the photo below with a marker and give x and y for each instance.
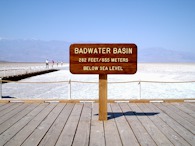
(187, 117)
(8, 134)
(40, 131)
(97, 128)
(112, 136)
(83, 129)
(155, 133)
(28, 108)
(190, 106)
(2, 104)
(68, 133)
(6, 106)
(183, 108)
(21, 136)
(4, 101)
(103, 97)
(193, 114)
(7, 110)
(21, 127)
(177, 117)
(175, 138)
(138, 129)
(187, 135)
(173, 100)
(13, 112)
(125, 131)
(54, 132)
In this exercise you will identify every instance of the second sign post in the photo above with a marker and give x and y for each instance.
(103, 59)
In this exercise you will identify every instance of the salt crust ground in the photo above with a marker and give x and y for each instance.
(146, 72)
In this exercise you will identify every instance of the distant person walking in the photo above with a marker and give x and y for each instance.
(47, 63)
(52, 63)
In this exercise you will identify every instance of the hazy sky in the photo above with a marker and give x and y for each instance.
(168, 24)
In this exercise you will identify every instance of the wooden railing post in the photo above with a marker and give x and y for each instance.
(140, 90)
(69, 82)
(0, 87)
(103, 97)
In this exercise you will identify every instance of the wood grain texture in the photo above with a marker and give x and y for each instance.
(102, 97)
(66, 124)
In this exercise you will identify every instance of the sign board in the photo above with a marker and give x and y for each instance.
(103, 58)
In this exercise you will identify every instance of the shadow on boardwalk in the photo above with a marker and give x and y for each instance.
(130, 113)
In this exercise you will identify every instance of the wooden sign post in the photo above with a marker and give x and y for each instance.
(102, 97)
(103, 59)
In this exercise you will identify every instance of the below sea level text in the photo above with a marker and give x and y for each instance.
(104, 68)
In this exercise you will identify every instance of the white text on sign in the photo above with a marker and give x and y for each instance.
(103, 60)
(103, 51)
(104, 68)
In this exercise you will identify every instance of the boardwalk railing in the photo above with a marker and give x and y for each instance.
(70, 88)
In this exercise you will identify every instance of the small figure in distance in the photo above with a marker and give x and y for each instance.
(52, 63)
(47, 63)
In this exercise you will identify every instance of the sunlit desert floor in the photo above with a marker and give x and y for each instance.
(152, 81)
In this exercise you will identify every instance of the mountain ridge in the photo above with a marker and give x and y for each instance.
(31, 50)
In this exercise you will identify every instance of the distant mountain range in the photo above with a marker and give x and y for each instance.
(38, 51)
(33, 50)
(165, 56)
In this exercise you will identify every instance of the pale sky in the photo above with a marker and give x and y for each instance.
(168, 24)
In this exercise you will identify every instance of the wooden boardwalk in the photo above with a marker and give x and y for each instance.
(129, 124)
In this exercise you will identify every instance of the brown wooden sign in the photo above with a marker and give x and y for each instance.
(103, 58)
